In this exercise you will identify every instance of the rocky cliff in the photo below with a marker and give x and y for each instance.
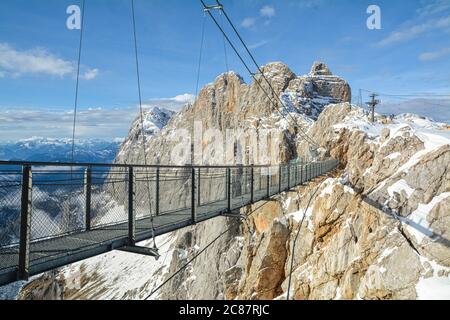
(376, 229)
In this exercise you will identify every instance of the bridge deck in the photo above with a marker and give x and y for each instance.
(56, 252)
(43, 254)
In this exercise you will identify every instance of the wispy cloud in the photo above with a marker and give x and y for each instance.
(267, 12)
(436, 109)
(106, 123)
(90, 74)
(433, 7)
(309, 4)
(409, 33)
(248, 22)
(434, 55)
(19, 123)
(258, 44)
(174, 103)
(37, 61)
(184, 98)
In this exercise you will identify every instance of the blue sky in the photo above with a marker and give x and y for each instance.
(410, 54)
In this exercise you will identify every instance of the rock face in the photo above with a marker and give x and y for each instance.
(229, 103)
(378, 228)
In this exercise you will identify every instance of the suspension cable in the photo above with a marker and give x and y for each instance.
(224, 45)
(78, 80)
(144, 148)
(291, 266)
(200, 252)
(200, 54)
(261, 72)
(254, 77)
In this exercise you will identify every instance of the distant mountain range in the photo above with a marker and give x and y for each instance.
(60, 150)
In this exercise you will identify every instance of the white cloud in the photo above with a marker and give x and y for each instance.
(20, 123)
(258, 44)
(436, 109)
(38, 61)
(433, 7)
(248, 22)
(309, 4)
(175, 103)
(267, 12)
(411, 32)
(184, 98)
(35, 61)
(95, 122)
(434, 55)
(90, 74)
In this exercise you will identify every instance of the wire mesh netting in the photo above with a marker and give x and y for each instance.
(211, 184)
(58, 203)
(109, 197)
(240, 186)
(68, 201)
(10, 197)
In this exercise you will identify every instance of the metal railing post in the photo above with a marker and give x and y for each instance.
(228, 186)
(288, 177)
(301, 172)
(279, 178)
(296, 175)
(252, 184)
(193, 202)
(198, 187)
(25, 224)
(269, 172)
(88, 194)
(131, 212)
(158, 173)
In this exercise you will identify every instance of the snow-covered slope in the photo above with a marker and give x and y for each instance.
(154, 120)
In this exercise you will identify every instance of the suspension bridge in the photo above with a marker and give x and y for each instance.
(97, 208)
(55, 214)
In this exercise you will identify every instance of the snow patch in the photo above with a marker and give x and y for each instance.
(417, 223)
(399, 186)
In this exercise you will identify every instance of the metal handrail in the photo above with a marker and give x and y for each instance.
(289, 176)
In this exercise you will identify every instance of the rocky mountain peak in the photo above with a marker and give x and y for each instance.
(320, 69)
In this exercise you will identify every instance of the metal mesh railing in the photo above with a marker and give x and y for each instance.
(49, 211)
(10, 194)
(109, 194)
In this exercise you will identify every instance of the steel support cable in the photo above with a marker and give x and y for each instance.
(141, 116)
(291, 267)
(199, 253)
(256, 80)
(260, 71)
(200, 54)
(78, 80)
(224, 45)
(203, 250)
